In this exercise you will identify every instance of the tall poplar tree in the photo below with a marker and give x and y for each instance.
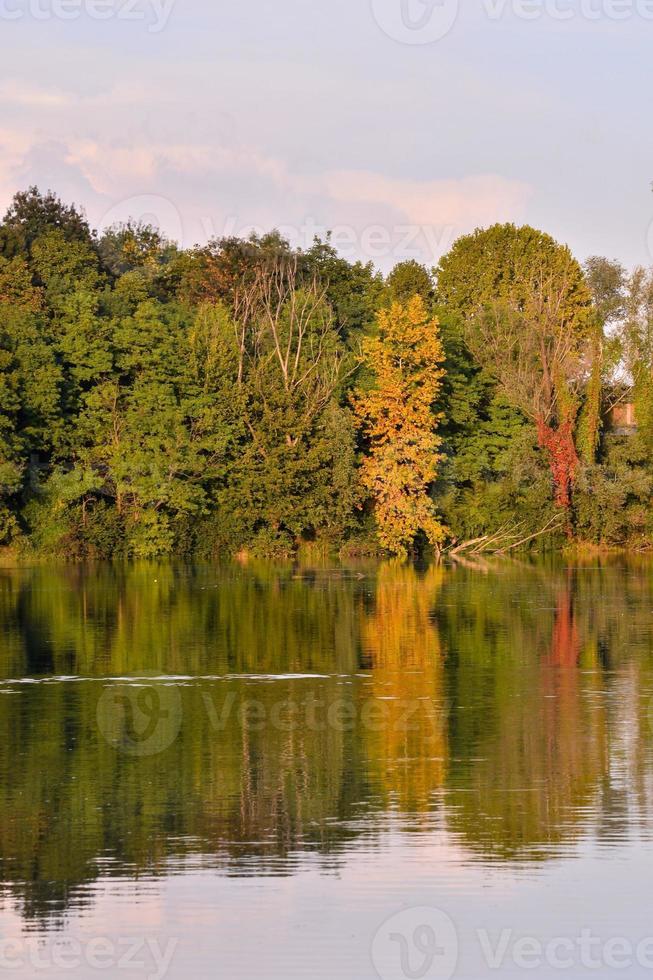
(397, 420)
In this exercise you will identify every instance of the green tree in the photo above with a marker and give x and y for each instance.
(637, 345)
(409, 279)
(295, 477)
(527, 315)
(606, 280)
(12, 460)
(353, 290)
(32, 214)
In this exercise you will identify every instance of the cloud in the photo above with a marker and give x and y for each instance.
(13, 148)
(18, 93)
(21, 92)
(230, 187)
(464, 203)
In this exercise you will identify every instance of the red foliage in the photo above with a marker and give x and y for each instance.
(565, 642)
(563, 460)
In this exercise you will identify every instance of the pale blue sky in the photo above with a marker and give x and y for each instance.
(217, 116)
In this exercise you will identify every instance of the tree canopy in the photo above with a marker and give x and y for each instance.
(249, 395)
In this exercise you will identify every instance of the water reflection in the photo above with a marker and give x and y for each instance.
(242, 719)
(406, 750)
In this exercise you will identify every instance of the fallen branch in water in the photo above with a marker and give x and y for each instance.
(550, 528)
(507, 538)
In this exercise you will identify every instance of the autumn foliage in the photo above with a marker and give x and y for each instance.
(397, 419)
(563, 458)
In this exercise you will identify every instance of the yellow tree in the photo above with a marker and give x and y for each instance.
(397, 419)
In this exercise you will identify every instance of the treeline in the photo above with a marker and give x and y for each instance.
(247, 395)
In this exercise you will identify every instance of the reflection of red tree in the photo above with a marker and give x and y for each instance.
(565, 642)
(572, 753)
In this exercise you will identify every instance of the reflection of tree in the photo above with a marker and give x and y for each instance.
(401, 641)
(144, 616)
(565, 644)
(239, 790)
(12, 648)
(282, 774)
(230, 787)
(541, 752)
(490, 690)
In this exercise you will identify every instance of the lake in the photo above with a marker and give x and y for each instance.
(330, 772)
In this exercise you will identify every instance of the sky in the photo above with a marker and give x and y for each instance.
(396, 124)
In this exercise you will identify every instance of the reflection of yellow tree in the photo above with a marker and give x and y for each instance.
(405, 718)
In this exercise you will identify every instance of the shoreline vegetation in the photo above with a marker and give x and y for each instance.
(248, 398)
(309, 556)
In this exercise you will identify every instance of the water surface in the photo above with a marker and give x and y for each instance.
(291, 772)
